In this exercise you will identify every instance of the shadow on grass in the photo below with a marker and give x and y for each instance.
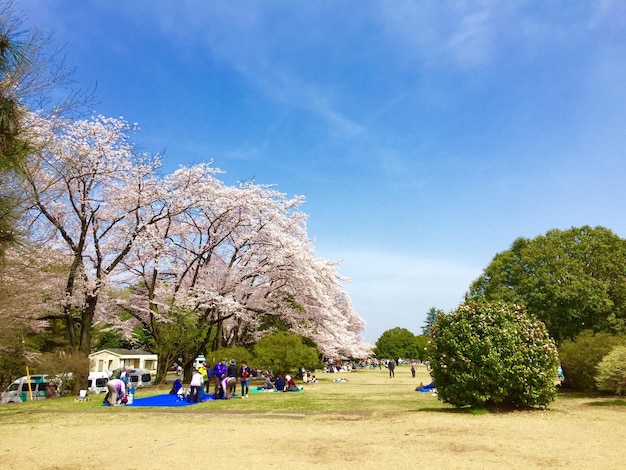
(463, 411)
(608, 403)
(600, 399)
(466, 410)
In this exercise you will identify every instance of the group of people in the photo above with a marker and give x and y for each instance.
(281, 384)
(224, 378)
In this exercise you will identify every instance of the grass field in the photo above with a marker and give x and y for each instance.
(370, 421)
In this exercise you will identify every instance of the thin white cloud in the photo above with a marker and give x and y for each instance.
(252, 41)
(455, 33)
(392, 289)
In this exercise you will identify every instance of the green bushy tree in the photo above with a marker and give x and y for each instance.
(580, 357)
(492, 355)
(397, 343)
(284, 353)
(571, 280)
(612, 371)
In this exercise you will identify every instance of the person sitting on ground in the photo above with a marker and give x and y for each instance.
(280, 384)
(268, 384)
(176, 386)
(291, 384)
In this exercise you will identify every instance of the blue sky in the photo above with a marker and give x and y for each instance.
(425, 135)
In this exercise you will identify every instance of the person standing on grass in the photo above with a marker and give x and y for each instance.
(244, 376)
(202, 370)
(392, 368)
(207, 379)
(413, 369)
(196, 385)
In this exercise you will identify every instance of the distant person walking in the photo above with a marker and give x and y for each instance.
(391, 365)
(413, 369)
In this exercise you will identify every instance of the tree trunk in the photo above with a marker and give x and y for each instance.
(163, 363)
(86, 319)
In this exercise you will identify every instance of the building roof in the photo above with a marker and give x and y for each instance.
(124, 352)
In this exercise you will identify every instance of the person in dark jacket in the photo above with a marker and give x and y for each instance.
(280, 384)
(232, 369)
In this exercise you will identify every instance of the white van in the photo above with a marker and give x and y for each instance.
(18, 391)
(198, 361)
(140, 378)
(97, 381)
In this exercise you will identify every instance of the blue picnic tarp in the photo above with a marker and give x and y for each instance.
(166, 400)
(426, 388)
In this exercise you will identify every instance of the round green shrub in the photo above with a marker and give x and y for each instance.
(492, 355)
(580, 357)
(612, 371)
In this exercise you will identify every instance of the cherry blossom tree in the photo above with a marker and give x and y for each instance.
(237, 256)
(90, 195)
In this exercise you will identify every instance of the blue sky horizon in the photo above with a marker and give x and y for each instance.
(425, 136)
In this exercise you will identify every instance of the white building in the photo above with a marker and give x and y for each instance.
(110, 359)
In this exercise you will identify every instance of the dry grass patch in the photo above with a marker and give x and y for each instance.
(371, 421)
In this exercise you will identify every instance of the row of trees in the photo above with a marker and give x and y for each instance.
(181, 262)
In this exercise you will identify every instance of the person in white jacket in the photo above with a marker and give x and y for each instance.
(196, 385)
